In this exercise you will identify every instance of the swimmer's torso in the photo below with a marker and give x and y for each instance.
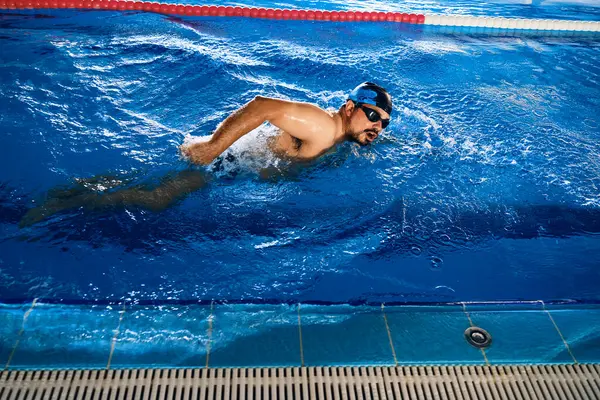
(304, 131)
(286, 146)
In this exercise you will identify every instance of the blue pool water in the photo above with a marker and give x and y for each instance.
(486, 185)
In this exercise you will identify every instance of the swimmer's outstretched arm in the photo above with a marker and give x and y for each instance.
(242, 121)
(301, 120)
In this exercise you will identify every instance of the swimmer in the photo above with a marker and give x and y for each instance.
(305, 133)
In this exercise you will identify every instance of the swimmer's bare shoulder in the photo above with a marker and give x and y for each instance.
(313, 126)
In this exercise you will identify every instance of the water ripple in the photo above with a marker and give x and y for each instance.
(491, 155)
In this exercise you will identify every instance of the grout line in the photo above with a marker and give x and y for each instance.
(114, 339)
(487, 362)
(300, 336)
(467, 314)
(389, 332)
(209, 331)
(14, 350)
(559, 332)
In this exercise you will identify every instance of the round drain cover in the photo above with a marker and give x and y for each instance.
(478, 337)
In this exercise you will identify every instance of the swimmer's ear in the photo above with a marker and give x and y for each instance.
(349, 107)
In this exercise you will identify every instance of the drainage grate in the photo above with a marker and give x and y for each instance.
(315, 383)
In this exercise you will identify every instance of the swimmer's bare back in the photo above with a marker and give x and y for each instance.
(306, 131)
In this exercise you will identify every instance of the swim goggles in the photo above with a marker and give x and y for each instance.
(373, 115)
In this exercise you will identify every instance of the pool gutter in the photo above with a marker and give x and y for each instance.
(302, 383)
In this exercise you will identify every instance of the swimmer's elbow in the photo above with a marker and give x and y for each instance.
(258, 102)
(267, 108)
(261, 106)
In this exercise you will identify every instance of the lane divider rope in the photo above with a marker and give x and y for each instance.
(316, 15)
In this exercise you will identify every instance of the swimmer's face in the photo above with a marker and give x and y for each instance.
(362, 129)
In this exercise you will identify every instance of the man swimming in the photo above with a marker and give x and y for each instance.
(305, 133)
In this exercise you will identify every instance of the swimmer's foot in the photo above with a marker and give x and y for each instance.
(55, 205)
(84, 191)
(46, 210)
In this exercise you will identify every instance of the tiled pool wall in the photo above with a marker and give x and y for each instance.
(41, 336)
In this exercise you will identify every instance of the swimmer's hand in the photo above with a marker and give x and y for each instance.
(198, 153)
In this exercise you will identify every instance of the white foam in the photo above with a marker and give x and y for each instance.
(420, 116)
(251, 153)
(217, 50)
(439, 47)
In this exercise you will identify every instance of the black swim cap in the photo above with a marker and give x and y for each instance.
(373, 94)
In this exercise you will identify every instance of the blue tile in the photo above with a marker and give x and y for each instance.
(162, 336)
(66, 337)
(255, 335)
(580, 326)
(520, 336)
(11, 320)
(431, 335)
(344, 335)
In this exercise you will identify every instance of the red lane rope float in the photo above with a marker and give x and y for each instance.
(218, 11)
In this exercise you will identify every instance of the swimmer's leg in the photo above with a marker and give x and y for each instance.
(275, 174)
(162, 196)
(168, 192)
(96, 183)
